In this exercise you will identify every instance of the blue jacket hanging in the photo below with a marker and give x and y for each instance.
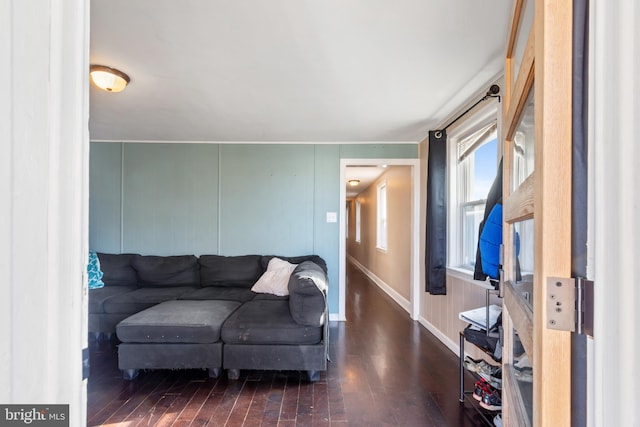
(493, 198)
(490, 235)
(490, 241)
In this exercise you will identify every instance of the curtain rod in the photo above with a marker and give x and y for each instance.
(491, 93)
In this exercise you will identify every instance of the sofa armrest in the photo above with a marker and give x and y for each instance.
(308, 294)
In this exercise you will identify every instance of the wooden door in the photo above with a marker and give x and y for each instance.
(537, 211)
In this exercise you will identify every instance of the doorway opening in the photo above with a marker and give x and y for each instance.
(414, 240)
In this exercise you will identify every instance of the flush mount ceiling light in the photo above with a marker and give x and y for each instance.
(108, 79)
(353, 182)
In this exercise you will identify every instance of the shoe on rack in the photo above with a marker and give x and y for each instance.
(491, 401)
(494, 377)
(481, 387)
(522, 361)
(474, 365)
(497, 420)
(525, 375)
(481, 367)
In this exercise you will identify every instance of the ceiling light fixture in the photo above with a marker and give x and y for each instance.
(353, 182)
(108, 79)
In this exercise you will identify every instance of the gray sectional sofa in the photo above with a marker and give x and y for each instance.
(174, 312)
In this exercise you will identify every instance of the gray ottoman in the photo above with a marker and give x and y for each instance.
(174, 335)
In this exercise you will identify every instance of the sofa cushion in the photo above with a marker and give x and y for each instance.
(226, 293)
(307, 294)
(97, 297)
(276, 279)
(117, 269)
(158, 271)
(218, 270)
(270, 297)
(142, 298)
(295, 260)
(177, 322)
(267, 322)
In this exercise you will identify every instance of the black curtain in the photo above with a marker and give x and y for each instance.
(436, 239)
(579, 199)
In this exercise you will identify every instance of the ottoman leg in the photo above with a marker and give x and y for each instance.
(214, 372)
(129, 374)
(233, 374)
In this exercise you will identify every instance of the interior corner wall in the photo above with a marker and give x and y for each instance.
(393, 266)
(226, 199)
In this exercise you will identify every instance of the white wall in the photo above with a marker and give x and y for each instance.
(43, 194)
(614, 230)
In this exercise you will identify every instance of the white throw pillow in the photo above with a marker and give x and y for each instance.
(276, 279)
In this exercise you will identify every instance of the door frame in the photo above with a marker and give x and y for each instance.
(45, 199)
(415, 230)
(545, 196)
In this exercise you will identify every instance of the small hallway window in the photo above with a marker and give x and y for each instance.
(357, 221)
(381, 240)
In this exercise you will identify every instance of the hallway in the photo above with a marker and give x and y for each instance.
(391, 369)
(386, 370)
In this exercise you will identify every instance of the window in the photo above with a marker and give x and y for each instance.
(381, 235)
(358, 221)
(475, 159)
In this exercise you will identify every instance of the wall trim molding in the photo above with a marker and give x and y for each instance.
(454, 347)
(154, 141)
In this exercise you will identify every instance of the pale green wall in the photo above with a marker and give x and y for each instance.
(267, 193)
(227, 199)
(170, 199)
(105, 198)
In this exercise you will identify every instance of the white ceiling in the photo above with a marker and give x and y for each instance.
(365, 174)
(291, 70)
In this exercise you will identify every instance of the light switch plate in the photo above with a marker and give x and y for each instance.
(332, 217)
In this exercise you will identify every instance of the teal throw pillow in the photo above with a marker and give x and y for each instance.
(94, 272)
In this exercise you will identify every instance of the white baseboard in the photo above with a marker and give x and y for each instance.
(454, 347)
(335, 317)
(405, 304)
(402, 301)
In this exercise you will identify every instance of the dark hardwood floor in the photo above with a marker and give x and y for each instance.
(386, 370)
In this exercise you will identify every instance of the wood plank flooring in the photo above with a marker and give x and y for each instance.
(386, 370)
